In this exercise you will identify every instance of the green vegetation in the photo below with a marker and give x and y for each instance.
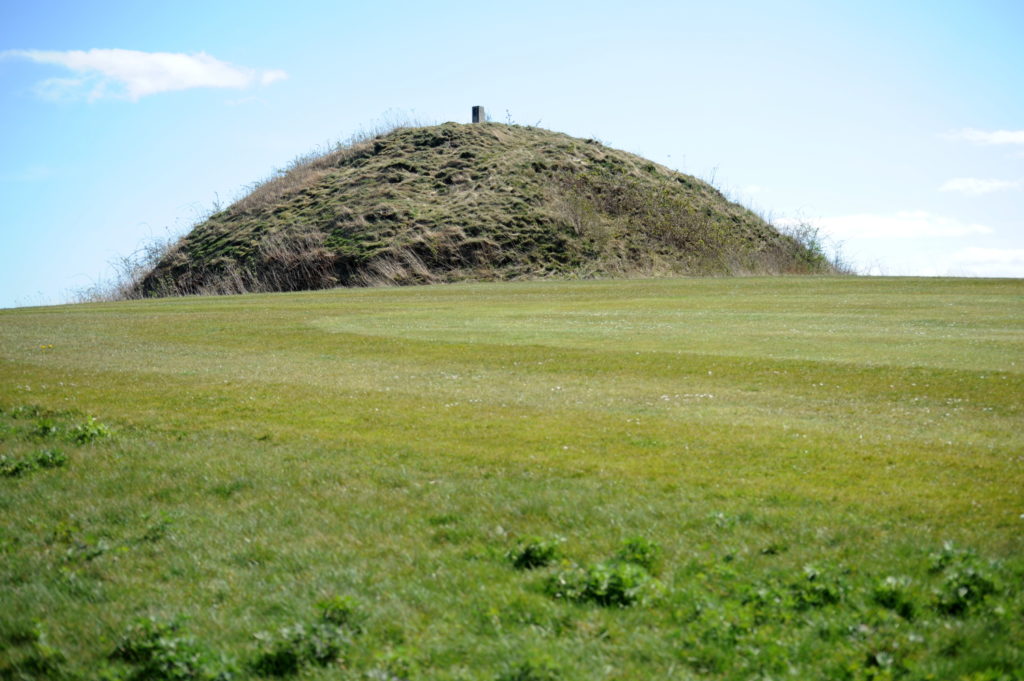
(534, 553)
(470, 202)
(738, 478)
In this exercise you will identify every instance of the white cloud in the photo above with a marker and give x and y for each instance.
(272, 76)
(990, 262)
(910, 224)
(129, 74)
(987, 137)
(973, 186)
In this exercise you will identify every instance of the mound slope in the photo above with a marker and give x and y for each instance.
(470, 202)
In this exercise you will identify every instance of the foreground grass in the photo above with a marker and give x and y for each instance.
(829, 471)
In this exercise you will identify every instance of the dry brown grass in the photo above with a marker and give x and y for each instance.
(288, 260)
(310, 168)
(130, 271)
(302, 172)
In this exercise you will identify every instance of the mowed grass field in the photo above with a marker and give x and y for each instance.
(642, 479)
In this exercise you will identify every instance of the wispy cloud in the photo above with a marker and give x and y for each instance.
(129, 74)
(973, 186)
(988, 137)
(991, 262)
(911, 224)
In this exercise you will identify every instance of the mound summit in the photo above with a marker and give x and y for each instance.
(484, 201)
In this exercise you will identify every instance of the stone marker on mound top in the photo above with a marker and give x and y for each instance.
(478, 114)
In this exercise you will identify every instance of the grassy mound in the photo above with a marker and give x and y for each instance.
(471, 202)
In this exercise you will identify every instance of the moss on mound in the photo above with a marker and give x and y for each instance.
(457, 202)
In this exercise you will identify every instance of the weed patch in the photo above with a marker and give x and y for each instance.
(160, 651)
(816, 589)
(624, 580)
(966, 581)
(88, 431)
(341, 611)
(27, 655)
(14, 467)
(294, 647)
(535, 668)
(25, 427)
(534, 552)
(640, 551)
(394, 664)
(319, 643)
(44, 429)
(613, 584)
(894, 593)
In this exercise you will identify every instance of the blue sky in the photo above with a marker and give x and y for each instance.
(896, 128)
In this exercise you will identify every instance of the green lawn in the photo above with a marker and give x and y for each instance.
(827, 475)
